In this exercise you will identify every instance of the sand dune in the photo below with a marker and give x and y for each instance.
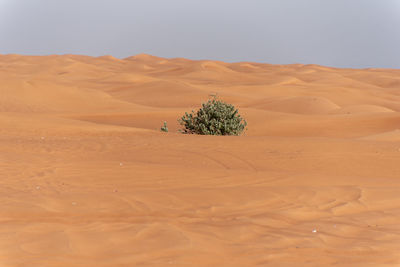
(88, 179)
(362, 109)
(298, 104)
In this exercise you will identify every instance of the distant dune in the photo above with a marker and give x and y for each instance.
(88, 179)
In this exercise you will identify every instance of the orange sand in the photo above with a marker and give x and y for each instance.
(87, 178)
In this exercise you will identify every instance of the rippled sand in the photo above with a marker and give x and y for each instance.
(88, 179)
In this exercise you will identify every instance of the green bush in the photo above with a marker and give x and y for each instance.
(164, 128)
(215, 117)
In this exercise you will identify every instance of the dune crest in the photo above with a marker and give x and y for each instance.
(299, 105)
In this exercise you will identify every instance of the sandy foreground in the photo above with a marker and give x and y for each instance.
(88, 179)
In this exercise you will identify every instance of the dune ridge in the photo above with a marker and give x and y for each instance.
(88, 179)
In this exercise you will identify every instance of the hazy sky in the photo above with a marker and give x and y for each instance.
(342, 33)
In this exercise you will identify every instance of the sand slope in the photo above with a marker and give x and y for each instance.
(87, 178)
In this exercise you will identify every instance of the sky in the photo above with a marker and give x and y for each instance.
(337, 33)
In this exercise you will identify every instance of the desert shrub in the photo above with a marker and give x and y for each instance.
(215, 117)
(164, 128)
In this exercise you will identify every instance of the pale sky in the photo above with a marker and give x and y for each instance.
(339, 33)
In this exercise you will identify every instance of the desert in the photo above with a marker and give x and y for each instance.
(88, 178)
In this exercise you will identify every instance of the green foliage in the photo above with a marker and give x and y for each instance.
(215, 117)
(164, 128)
